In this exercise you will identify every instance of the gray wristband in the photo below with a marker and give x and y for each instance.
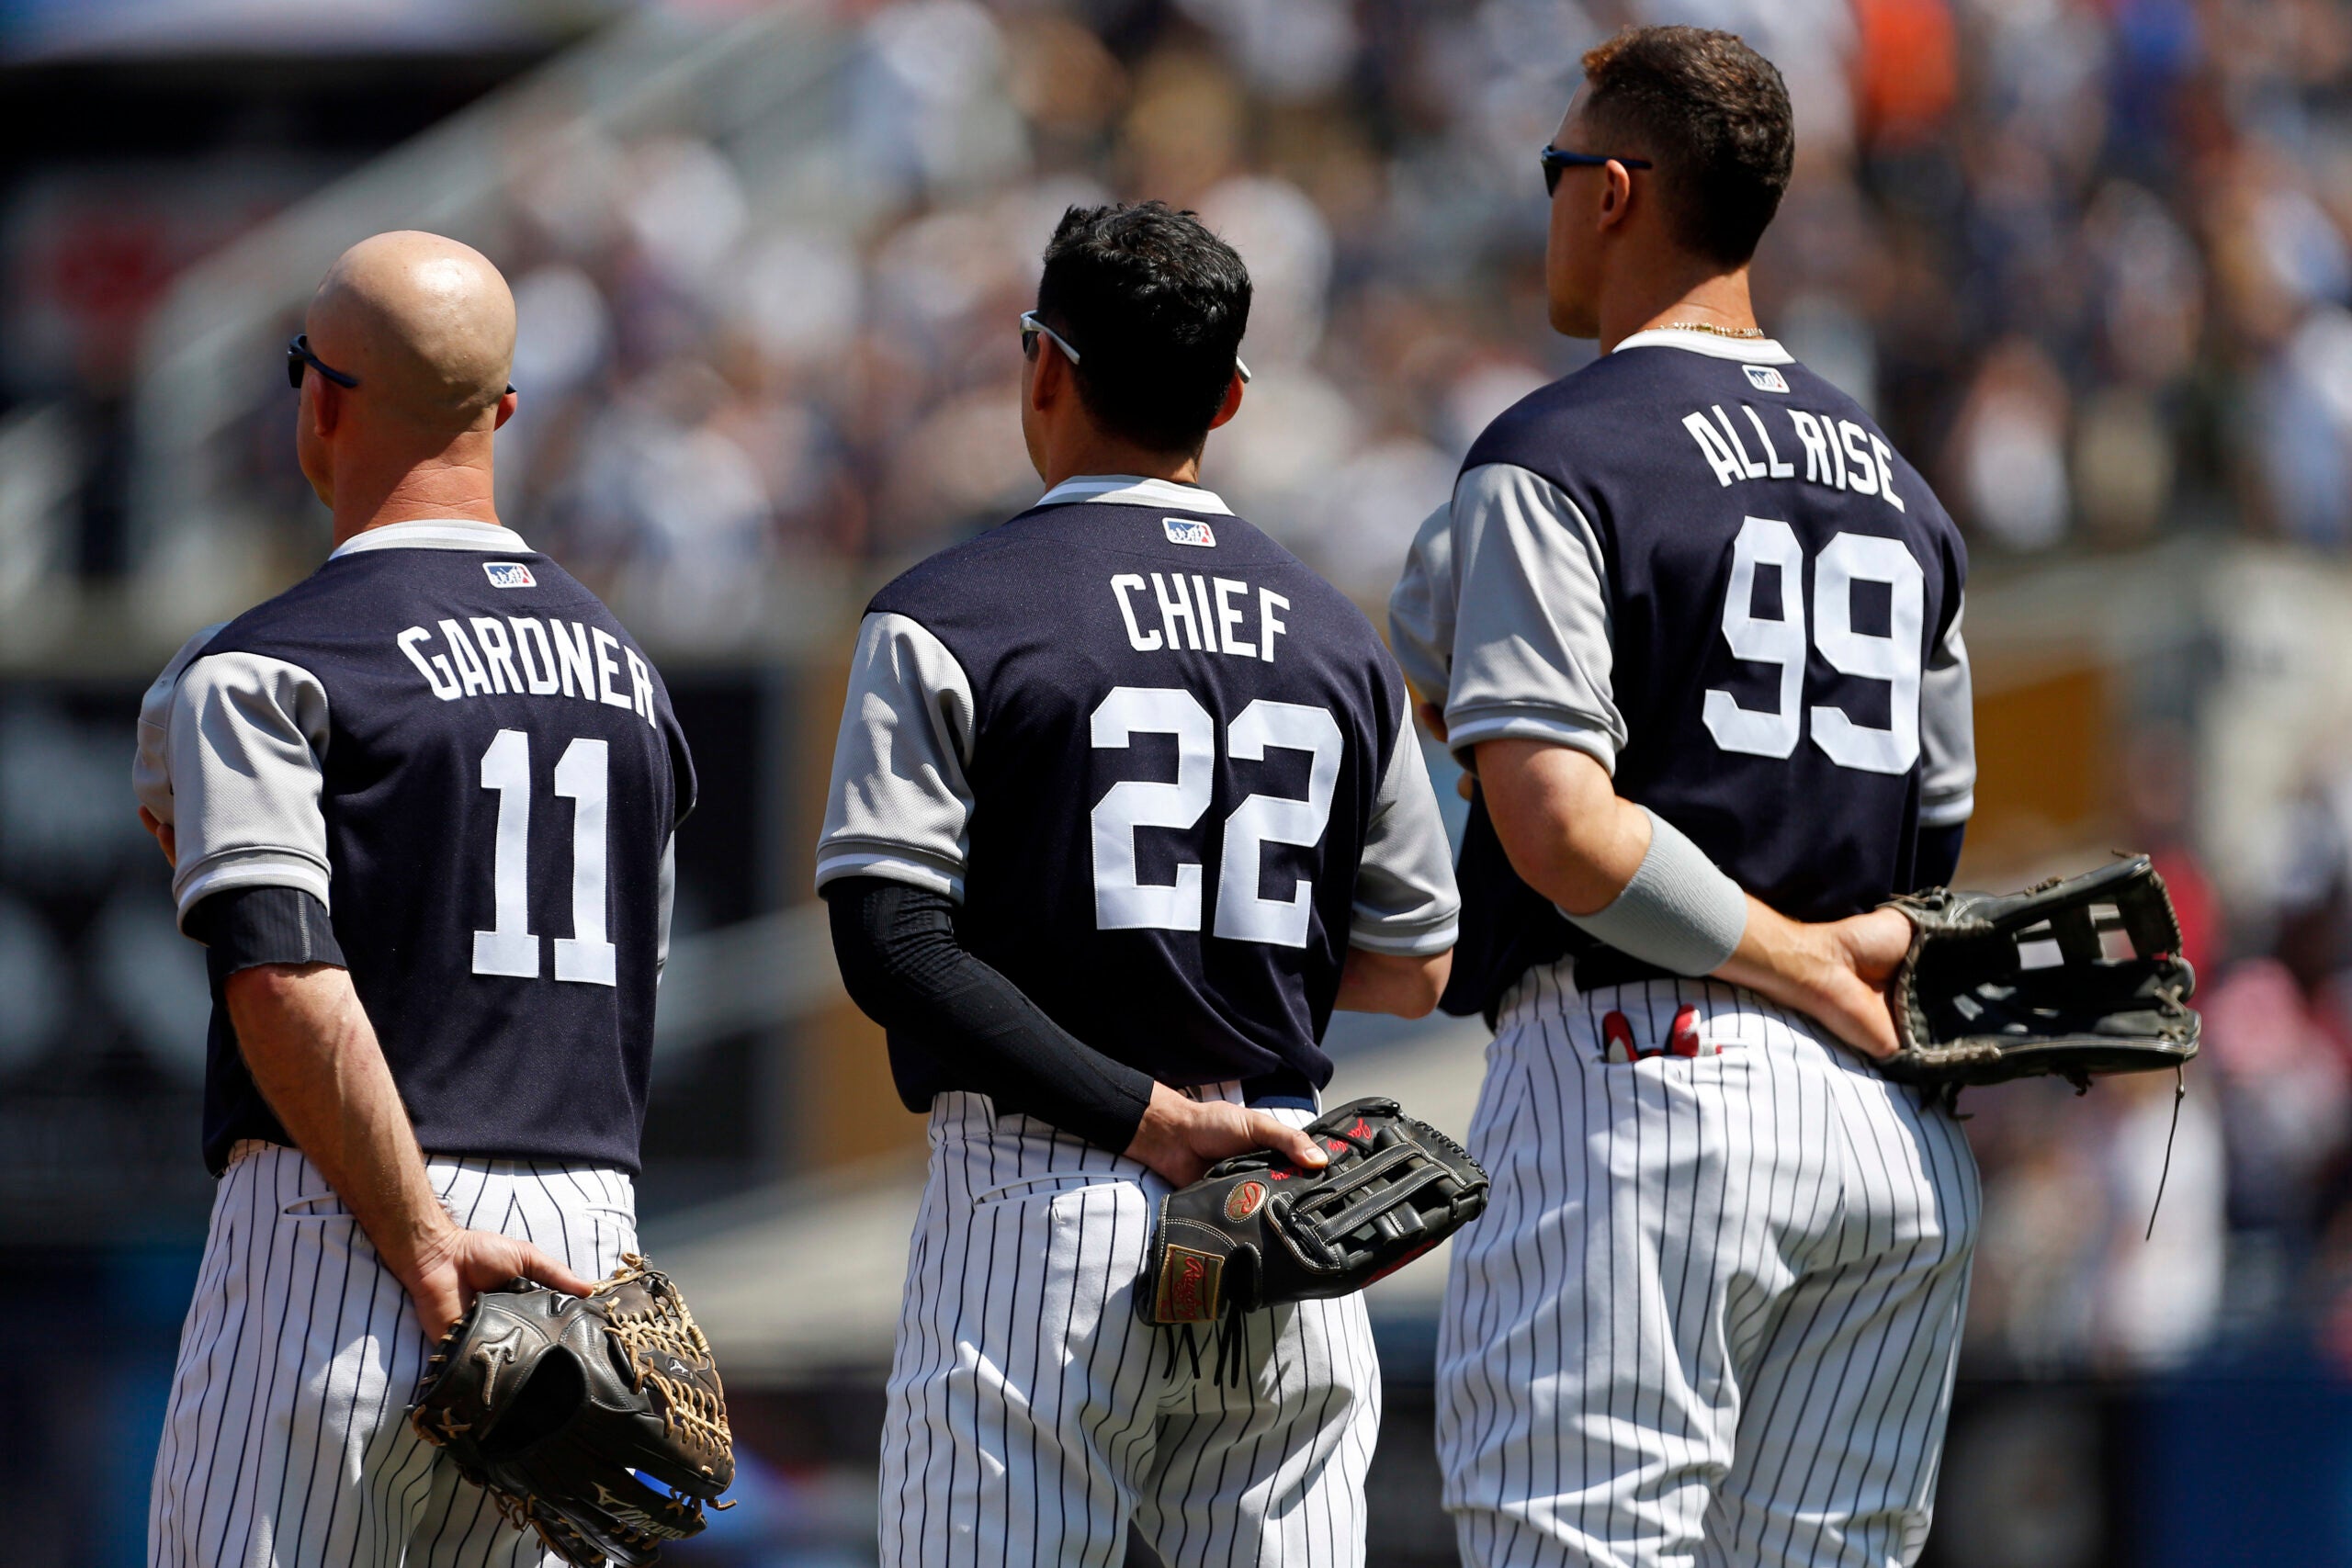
(1680, 912)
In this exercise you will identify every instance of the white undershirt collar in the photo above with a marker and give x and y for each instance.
(1749, 350)
(433, 534)
(1127, 490)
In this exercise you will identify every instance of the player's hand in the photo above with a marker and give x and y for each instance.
(165, 839)
(455, 1266)
(1834, 973)
(1181, 1138)
(1860, 954)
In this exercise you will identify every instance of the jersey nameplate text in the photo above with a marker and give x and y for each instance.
(523, 654)
(1839, 453)
(1212, 613)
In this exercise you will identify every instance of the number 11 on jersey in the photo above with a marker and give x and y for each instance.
(510, 947)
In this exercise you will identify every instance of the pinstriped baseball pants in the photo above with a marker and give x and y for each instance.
(1712, 1313)
(1033, 1419)
(286, 1442)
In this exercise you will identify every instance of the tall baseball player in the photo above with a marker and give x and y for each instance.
(1127, 800)
(419, 810)
(1696, 627)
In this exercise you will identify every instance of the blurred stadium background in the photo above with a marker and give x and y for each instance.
(2088, 260)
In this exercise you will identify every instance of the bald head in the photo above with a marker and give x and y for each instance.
(424, 323)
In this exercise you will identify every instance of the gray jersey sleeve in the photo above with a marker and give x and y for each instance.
(150, 771)
(1421, 612)
(1406, 901)
(1947, 733)
(899, 805)
(229, 747)
(1532, 638)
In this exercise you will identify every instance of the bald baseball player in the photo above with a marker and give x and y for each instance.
(419, 811)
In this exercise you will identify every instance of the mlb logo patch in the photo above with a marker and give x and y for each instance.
(1184, 531)
(509, 574)
(1764, 378)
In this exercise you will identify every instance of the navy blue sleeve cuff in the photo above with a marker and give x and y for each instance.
(1937, 857)
(250, 926)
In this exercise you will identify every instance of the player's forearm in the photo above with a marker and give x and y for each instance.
(904, 966)
(1398, 983)
(1568, 833)
(314, 1057)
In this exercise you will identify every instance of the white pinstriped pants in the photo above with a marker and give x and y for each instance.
(286, 1442)
(1712, 1313)
(1032, 1416)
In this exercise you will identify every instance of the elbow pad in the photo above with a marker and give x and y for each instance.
(1680, 912)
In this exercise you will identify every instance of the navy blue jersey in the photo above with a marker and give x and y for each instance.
(1707, 567)
(467, 758)
(1165, 769)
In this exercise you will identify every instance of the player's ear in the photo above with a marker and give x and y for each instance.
(1041, 385)
(1232, 405)
(323, 406)
(507, 403)
(1616, 194)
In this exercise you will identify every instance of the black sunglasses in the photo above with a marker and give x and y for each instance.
(298, 354)
(1555, 161)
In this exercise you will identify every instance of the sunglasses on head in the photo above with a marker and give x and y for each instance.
(300, 359)
(1031, 329)
(1555, 161)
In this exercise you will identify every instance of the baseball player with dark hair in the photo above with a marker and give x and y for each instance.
(1695, 625)
(1125, 801)
(418, 809)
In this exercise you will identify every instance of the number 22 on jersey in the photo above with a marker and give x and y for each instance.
(1893, 658)
(1122, 902)
(510, 947)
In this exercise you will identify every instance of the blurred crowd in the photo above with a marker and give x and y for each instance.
(2088, 260)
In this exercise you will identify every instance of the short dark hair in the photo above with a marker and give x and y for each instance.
(1712, 114)
(1155, 306)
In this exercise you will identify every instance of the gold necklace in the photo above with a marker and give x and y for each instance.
(1704, 327)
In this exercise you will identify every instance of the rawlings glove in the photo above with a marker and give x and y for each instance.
(2075, 977)
(555, 1404)
(1257, 1231)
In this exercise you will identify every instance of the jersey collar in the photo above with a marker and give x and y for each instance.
(433, 534)
(1126, 490)
(1748, 350)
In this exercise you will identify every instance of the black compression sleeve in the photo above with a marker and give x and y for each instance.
(903, 964)
(249, 926)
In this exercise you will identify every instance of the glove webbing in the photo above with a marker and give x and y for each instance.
(668, 1330)
(1355, 1212)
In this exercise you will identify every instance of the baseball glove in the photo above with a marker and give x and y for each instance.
(1257, 1231)
(562, 1407)
(2075, 977)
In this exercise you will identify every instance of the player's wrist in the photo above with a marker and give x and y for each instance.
(419, 1248)
(1791, 961)
(1160, 1132)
